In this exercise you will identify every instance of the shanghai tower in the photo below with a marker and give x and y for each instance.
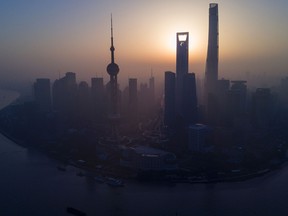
(211, 72)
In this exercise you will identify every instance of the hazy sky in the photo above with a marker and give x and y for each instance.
(45, 38)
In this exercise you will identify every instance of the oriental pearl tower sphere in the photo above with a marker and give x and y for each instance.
(113, 70)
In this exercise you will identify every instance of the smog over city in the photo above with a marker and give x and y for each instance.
(143, 107)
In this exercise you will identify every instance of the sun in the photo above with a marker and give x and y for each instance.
(171, 42)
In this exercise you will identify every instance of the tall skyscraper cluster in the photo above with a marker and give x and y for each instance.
(230, 120)
(94, 105)
(180, 88)
(225, 103)
(91, 102)
(181, 104)
(138, 99)
(234, 130)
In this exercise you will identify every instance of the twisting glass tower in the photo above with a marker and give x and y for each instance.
(211, 73)
(113, 70)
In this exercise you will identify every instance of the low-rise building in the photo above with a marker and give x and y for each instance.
(147, 158)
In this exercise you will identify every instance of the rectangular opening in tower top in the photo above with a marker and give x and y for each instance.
(182, 37)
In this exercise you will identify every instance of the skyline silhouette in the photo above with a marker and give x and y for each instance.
(50, 38)
(146, 140)
(185, 116)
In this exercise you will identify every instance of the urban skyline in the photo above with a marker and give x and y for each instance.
(183, 130)
(197, 135)
(48, 38)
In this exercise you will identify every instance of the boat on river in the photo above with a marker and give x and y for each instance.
(114, 182)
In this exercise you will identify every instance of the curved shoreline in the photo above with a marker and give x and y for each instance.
(178, 179)
(240, 178)
(227, 179)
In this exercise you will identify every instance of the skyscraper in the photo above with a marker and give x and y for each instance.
(169, 101)
(42, 93)
(189, 99)
(262, 109)
(97, 86)
(99, 101)
(182, 53)
(199, 137)
(237, 98)
(133, 96)
(83, 107)
(152, 89)
(211, 73)
(64, 94)
(181, 68)
(180, 88)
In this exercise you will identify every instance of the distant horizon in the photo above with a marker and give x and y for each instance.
(48, 38)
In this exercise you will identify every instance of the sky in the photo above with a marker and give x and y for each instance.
(47, 38)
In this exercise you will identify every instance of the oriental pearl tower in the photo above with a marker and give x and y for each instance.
(113, 70)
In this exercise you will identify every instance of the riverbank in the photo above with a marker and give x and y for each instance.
(102, 170)
(120, 172)
(57, 150)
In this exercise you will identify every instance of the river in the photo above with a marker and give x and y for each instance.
(32, 185)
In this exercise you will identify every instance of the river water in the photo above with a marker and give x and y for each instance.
(32, 185)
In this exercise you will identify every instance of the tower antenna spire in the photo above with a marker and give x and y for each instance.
(112, 45)
(111, 26)
(113, 70)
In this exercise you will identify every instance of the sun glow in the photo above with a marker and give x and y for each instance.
(171, 42)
